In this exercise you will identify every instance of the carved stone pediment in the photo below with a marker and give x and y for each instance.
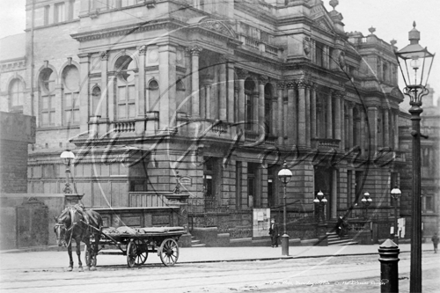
(219, 26)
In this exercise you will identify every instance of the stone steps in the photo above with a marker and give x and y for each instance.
(335, 239)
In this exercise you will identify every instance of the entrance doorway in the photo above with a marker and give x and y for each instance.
(325, 182)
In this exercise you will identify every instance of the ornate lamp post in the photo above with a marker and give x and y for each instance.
(67, 156)
(320, 201)
(284, 175)
(395, 194)
(366, 201)
(415, 63)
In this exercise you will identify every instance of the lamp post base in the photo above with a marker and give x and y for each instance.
(285, 244)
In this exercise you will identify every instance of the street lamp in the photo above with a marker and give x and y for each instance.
(320, 201)
(395, 194)
(415, 63)
(366, 201)
(285, 175)
(67, 156)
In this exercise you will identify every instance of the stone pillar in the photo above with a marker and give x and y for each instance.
(308, 114)
(112, 97)
(84, 62)
(337, 118)
(280, 112)
(313, 112)
(230, 81)
(103, 112)
(195, 51)
(342, 103)
(292, 124)
(330, 115)
(241, 98)
(261, 104)
(223, 99)
(167, 87)
(302, 128)
(141, 102)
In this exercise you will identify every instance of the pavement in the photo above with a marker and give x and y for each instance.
(49, 258)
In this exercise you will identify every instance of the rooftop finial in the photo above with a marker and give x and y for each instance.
(414, 24)
(334, 3)
(372, 30)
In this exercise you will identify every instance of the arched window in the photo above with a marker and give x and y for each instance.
(249, 90)
(126, 92)
(70, 95)
(95, 99)
(16, 93)
(153, 96)
(46, 86)
(268, 108)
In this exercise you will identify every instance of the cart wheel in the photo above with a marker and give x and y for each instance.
(169, 252)
(131, 254)
(93, 261)
(141, 252)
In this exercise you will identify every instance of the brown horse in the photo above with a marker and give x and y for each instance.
(76, 224)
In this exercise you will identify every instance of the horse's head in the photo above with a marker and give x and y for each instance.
(60, 228)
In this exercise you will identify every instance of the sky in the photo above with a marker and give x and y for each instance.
(392, 19)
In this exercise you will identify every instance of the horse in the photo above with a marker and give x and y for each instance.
(75, 223)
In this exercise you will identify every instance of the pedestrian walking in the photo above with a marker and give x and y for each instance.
(435, 242)
(274, 233)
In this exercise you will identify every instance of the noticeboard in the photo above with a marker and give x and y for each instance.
(260, 222)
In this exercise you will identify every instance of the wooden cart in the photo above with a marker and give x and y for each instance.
(137, 243)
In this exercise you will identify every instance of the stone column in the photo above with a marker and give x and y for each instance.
(141, 105)
(337, 118)
(302, 128)
(111, 96)
(261, 104)
(223, 99)
(84, 61)
(195, 105)
(104, 91)
(308, 114)
(230, 81)
(330, 115)
(313, 112)
(342, 102)
(167, 87)
(241, 98)
(280, 113)
(292, 121)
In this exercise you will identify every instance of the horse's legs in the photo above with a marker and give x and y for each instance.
(78, 252)
(69, 252)
(89, 250)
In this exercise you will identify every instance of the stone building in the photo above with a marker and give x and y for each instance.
(216, 95)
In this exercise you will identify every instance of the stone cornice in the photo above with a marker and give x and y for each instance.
(168, 23)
